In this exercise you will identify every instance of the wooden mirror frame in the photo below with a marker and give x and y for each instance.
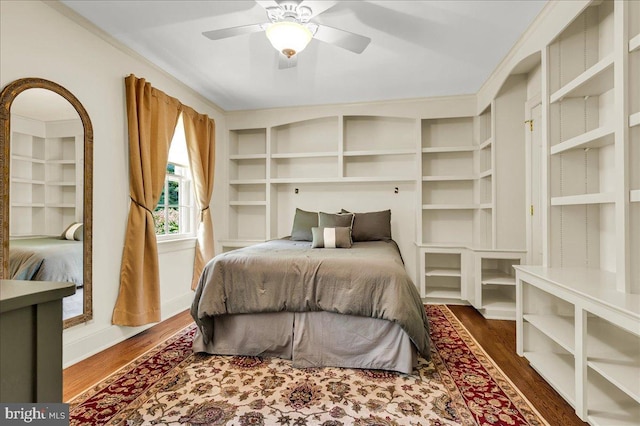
(8, 94)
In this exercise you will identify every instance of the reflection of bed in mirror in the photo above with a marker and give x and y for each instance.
(50, 259)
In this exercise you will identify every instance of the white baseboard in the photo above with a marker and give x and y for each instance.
(84, 347)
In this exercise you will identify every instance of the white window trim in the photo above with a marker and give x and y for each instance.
(190, 236)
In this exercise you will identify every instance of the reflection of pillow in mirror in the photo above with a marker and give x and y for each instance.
(75, 231)
(339, 237)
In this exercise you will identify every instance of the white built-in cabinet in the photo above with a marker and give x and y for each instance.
(578, 315)
(46, 179)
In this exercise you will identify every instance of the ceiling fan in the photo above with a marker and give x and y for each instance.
(289, 29)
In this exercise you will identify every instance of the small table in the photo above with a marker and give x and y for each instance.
(31, 340)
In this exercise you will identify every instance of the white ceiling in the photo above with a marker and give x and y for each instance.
(418, 48)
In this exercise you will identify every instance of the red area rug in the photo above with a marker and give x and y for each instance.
(170, 385)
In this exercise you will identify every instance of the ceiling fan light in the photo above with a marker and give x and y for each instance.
(288, 37)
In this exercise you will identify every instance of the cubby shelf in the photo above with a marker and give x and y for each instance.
(247, 203)
(450, 206)
(634, 195)
(595, 138)
(237, 157)
(443, 293)
(247, 182)
(560, 329)
(574, 200)
(444, 149)
(634, 43)
(448, 178)
(594, 81)
(304, 155)
(558, 370)
(379, 152)
(497, 277)
(29, 181)
(443, 272)
(634, 119)
(28, 159)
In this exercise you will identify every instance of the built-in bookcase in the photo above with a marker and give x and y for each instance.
(334, 150)
(247, 185)
(582, 142)
(578, 316)
(379, 147)
(46, 177)
(448, 179)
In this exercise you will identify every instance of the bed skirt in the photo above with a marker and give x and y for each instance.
(313, 339)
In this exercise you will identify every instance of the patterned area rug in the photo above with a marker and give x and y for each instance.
(170, 385)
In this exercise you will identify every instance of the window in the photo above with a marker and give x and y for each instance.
(174, 215)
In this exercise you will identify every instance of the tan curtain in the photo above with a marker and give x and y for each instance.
(152, 118)
(200, 133)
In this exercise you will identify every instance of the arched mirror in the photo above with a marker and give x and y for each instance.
(46, 158)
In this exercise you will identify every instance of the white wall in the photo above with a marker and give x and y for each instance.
(36, 40)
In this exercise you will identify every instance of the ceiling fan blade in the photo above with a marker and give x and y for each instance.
(267, 3)
(285, 63)
(233, 31)
(317, 6)
(350, 41)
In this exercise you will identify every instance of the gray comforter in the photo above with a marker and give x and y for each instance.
(368, 279)
(46, 259)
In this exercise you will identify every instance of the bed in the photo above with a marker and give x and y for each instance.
(46, 259)
(354, 307)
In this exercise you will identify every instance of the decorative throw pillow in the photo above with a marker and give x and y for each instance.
(371, 226)
(339, 237)
(303, 221)
(333, 220)
(75, 231)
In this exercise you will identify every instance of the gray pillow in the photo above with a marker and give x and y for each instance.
(303, 221)
(371, 226)
(75, 231)
(339, 237)
(333, 220)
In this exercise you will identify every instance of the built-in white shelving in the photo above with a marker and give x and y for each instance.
(578, 316)
(442, 274)
(595, 138)
(593, 81)
(493, 287)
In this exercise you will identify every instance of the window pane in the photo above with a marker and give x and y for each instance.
(174, 220)
(161, 202)
(171, 168)
(174, 193)
(159, 219)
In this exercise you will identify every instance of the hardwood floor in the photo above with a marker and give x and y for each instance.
(496, 337)
(84, 374)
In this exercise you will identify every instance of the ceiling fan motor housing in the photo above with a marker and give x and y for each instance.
(289, 11)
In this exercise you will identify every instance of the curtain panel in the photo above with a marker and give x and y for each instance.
(200, 134)
(152, 117)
